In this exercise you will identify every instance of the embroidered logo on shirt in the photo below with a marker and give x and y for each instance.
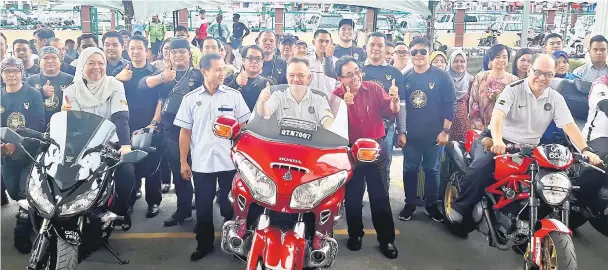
(279, 71)
(26, 105)
(602, 94)
(199, 103)
(191, 82)
(431, 85)
(418, 99)
(311, 110)
(37, 86)
(51, 103)
(389, 77)
(521, 106)
(502, 102)
(356, 55)
(548, 106)
(15, 120)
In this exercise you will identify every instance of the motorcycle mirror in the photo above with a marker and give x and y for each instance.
(10, 136)
(366, 150)
(133, 156)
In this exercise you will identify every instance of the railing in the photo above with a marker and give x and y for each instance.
(61, 19)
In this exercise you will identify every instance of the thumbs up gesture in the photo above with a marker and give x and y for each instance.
(67, 104)
(265, 94)
(125, 74)
(169, 73)
(393, 92)
(349, 98)
(242, 79)
(48, 90)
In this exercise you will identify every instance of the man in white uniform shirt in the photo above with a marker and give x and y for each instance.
(322, 62)
(211, 162)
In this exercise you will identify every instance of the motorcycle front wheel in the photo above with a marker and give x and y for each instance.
(452, 191)
(557, 253)
(65, 257)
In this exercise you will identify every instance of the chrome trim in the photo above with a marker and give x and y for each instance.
(324, 216)
(290, 167)
(241, 201)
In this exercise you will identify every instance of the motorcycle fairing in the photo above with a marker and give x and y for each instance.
(544, 227)
(278, 250)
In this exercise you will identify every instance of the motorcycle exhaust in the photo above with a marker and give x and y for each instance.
(503, 247)
(318, 256)
(109, 216)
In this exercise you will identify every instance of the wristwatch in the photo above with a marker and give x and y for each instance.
(588, 148)
(154, 123)
(446, 130)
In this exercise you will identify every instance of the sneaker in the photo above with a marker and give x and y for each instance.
(177, 218)
(454, 216)
(407, 212)
(164, 188)
(432, 210)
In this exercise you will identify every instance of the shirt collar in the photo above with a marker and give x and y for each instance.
(219, 89)
(544, 94)
(384, 63)
(306, 96)
(603, 67)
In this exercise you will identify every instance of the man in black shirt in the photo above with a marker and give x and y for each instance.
(21, 107)
(65, 60)
(50, 82)
(125, 37)
(346, 47)
(172, 84)
(112, 47)
(378, 70)
(22, 50)
(143, 105)
(249, 81)
(239, 32)
(274, 67)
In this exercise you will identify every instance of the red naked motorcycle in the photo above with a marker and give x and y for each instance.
(531, 183)
(290, 185)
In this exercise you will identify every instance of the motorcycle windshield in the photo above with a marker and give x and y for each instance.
(297, 114)
(77, 153)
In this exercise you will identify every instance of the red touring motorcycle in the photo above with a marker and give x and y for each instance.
(511, 207)
(289, 189)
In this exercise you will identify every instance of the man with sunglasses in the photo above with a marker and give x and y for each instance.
(430, 97)
(249, 81)
(521, 115)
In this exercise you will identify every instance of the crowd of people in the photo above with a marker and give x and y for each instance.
(178, 85)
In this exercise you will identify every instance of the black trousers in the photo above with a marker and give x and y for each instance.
(165, 172)
(183, 187)
(149, 169)
(124, 183)
(591, 181)
(374, 175)
(14, 178)
(205, 185)
(478, 176)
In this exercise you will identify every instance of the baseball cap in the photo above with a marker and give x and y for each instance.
(346, 21)
(287, 39)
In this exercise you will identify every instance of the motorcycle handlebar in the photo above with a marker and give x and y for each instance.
(511, 148)
(32, 134)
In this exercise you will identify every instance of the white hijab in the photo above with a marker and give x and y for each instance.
(92, 93)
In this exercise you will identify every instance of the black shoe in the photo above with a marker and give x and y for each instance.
(153, 211)
(165, 188)
(200, 253)
(354, 243)
(177, 218)
(432, 210)
(138, 194)
(407, 212)
(389, 250)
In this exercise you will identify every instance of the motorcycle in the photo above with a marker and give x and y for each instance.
(290, 186)
(71, 189)
(531, 182)
(490, 39)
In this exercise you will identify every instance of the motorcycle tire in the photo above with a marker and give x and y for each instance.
(564, 249)
(458, 229)
(600, 224)
(67, 256)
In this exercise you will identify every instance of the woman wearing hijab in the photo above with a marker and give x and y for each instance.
(95, 92)
(439, 59)
(463, 80)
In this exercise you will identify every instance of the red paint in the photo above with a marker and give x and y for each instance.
(512, 182)
(547, 226)
(470, 137)
(542, 160)
(286, 253)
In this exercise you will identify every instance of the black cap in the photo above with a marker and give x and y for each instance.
(179, 43)
(288, 39)
(346, 21)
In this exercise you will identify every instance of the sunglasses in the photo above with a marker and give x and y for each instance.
(415, 52)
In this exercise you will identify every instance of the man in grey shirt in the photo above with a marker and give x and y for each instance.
(598, 51)
(521, 115)
(298, 100)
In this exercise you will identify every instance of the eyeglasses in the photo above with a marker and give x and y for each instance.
(415, 52)
(357, 73)
(254, 59)
(539, 73)
(402, 52)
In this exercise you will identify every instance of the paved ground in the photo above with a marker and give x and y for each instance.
(422, 243)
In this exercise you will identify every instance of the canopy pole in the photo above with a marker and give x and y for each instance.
(430, 25)
(525, 25)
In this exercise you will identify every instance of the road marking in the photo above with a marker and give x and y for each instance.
(188, 235)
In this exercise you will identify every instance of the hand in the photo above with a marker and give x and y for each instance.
(48, 90)
(498, 147)
(124, 150)
(443, 138)
(67, 104)
(242, 79)
(349, 98)
(8, 149)
(169, 73)
(394, 92)
(593, 158)
(401, 140)
(185, 171)
(125, 74)
(265, 94)
(329, 52)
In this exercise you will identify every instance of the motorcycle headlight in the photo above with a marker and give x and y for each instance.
(40, 200)
(554, 188)
(307, 196)
(82, 201)
(262, 187)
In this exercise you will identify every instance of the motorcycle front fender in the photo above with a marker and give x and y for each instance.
(543, 228)
(277, 250)
(69, 232)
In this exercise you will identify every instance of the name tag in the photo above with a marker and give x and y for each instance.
(296, 134)
(222, 109)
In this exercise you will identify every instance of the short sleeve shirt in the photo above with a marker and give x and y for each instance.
(116, 103)
(597, 121)
(198, 112)
(528, 116)
(314, 107)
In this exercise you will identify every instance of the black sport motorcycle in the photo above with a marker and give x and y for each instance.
(71, 187)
